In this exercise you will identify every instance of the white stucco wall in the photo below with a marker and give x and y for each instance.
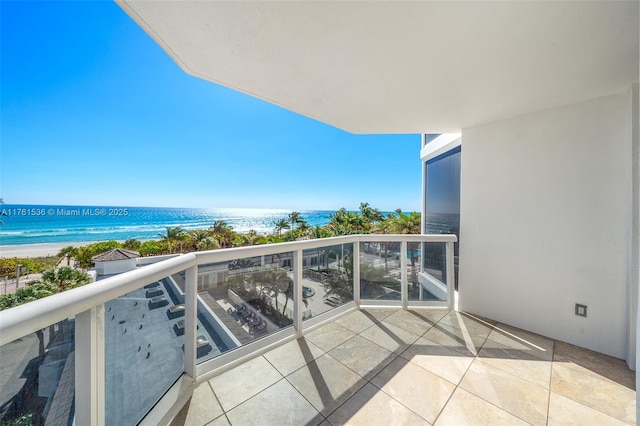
(545, 202)
(115, 266)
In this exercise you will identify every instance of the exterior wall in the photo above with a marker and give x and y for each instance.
(115, 266)
(545, 203)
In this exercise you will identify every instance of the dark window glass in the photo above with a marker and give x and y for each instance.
(442, 206)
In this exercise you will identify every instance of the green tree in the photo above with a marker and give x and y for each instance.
(8, 265)
(280, 225)
(52, 282)
(405, 223)
(68, 252)
(65, 278)
(207, 243)
(370, 214)
(319, 232)
(223, 233)
(294, 218)
(251, 238)
(152, 248)
(132, 244)
(344, 222)
(173, 237)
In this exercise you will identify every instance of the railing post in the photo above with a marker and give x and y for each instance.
(356, 273)
(404, 286)
(190, 320)
(450, 275)
(297, 291)
(89, 367)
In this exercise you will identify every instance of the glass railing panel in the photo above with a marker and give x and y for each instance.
(327, 279)
(37, 377)
(433, 277)
(414, 260)
(243, 300)
(144, 349)
(380, 271)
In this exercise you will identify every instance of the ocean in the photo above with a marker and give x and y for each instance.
(37, 224)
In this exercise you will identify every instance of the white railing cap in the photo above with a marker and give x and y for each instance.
(30, 317)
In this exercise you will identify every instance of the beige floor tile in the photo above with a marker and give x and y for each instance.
(604, 365)
(516, 362)
(515, 338)
(456, 339)
(278, 405)
(293, 355)
(244, 381)
(414, 387)
(390, 337)
(357, 321)
(464, 408)
(329, 336)
(219, 421)
(416, 322)
(363, 356)
(593, 390)
(378, 314)
(444, 362)
(326, 383)
(519, 397)
(466, 322)
(566, 412)
(201, 408)
(371, 406)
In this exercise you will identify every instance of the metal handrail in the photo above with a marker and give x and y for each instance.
(30, 317)
(25, 319)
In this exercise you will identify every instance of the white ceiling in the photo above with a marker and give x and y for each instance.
(403, 67)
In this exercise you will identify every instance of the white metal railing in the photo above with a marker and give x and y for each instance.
(87, 305)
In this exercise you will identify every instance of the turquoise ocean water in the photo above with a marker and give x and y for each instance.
(36, 224)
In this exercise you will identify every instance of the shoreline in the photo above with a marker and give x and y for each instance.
(38, 250)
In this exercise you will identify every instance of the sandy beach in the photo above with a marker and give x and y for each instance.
(36, 250)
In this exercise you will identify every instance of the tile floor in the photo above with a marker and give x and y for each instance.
(388, 367)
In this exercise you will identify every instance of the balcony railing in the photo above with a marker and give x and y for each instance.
(106, 353)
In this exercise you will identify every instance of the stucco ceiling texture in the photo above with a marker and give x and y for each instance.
(403, 67)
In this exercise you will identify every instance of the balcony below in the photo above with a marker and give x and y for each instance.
(394, 366)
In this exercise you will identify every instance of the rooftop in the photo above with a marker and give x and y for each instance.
(115, 254)
(383, 366)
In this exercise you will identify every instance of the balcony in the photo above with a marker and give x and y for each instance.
(351, 324)
(390, 366)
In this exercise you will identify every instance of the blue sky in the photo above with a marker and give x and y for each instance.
(93, 112)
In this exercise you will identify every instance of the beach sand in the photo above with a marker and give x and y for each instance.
(36, 250)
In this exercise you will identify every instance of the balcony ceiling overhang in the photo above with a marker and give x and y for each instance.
(402, 67)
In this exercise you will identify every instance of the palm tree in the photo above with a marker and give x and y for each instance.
(68, 253)
(249, 239)
(207, 243)
(371, 214)
(223, 233)
(173, 236)
(295, 218)
(319, 232)
(405, 223)
(303, 228)
(132, 244)
(281, 224)
(408, 224)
